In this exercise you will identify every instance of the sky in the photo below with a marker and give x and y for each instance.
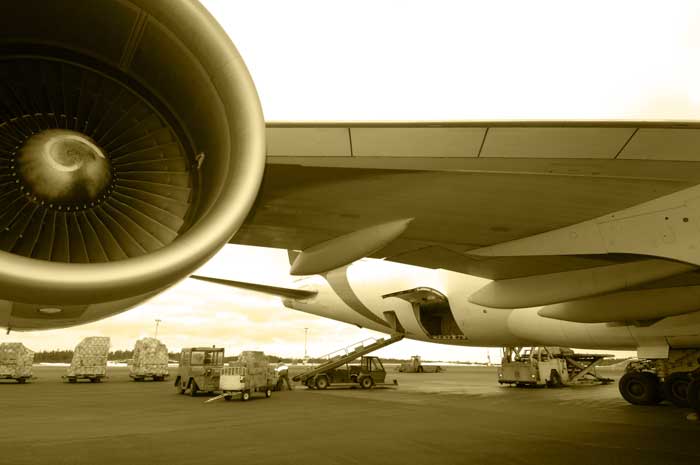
(414, 60)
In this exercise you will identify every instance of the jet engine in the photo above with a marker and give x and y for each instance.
(131, 150)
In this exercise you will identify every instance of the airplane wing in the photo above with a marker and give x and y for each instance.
(465, 185)
(265, 289)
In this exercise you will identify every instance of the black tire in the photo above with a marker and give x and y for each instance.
(72, 380)
(322, 382)
(675, 389)
(694, 394)
(193, 388)
(554, 379)
(245, 395)
(366, 382)
(310, 383)
(640, 388)
(268, 392)
(228, 398)
(21, 380)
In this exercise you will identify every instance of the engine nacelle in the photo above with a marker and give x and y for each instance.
(131, 150)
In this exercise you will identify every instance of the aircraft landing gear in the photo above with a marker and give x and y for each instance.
(675, 388)
(675, 379)
(694, 393)
(641, 388)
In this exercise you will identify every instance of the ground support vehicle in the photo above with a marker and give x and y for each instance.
(416, 366)
(675, 377)
(367, 374)
(337, 370)
(549, 366)
(242, 382)
(199, 370)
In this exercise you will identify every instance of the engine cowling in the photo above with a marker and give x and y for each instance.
(131, 150)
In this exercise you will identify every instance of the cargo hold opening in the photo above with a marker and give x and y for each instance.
(433, 312)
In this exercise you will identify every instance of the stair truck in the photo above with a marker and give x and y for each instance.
(549, 366)
(199, 370)
(338, 370)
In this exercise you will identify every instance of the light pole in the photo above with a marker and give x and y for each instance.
(306, 333)
(157, 323)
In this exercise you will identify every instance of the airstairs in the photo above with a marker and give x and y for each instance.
(347, 354)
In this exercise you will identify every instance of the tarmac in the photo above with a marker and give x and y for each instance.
(461, 416)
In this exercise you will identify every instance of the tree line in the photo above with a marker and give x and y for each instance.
(65, 356)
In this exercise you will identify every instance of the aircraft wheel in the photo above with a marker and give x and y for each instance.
(675, 389)
(322, 382)
(366, 382)
(640, 388)
(694, 393)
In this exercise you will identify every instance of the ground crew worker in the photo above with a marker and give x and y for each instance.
(282, 377)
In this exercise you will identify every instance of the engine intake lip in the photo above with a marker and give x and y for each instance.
(238, 172)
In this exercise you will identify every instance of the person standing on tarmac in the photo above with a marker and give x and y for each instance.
(282, 377)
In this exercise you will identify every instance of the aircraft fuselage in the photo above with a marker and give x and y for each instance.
(433, 305)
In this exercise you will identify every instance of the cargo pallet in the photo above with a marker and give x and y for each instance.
(76, 378)
(19, 379)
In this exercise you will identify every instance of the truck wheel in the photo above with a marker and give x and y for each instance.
(640, 388)
(366, 382)
(675, 389)
(268, 392)
(420, 370)
(228, 397)
(245, 396)
(694, 393)
(72, 380)
(193, 388)
(21, 380)
(322, 382)
(554, 379)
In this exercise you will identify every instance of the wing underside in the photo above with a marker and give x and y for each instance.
(473, 185)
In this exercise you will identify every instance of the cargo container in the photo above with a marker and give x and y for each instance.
(89, 360)
(15, 362)
(150, 360)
